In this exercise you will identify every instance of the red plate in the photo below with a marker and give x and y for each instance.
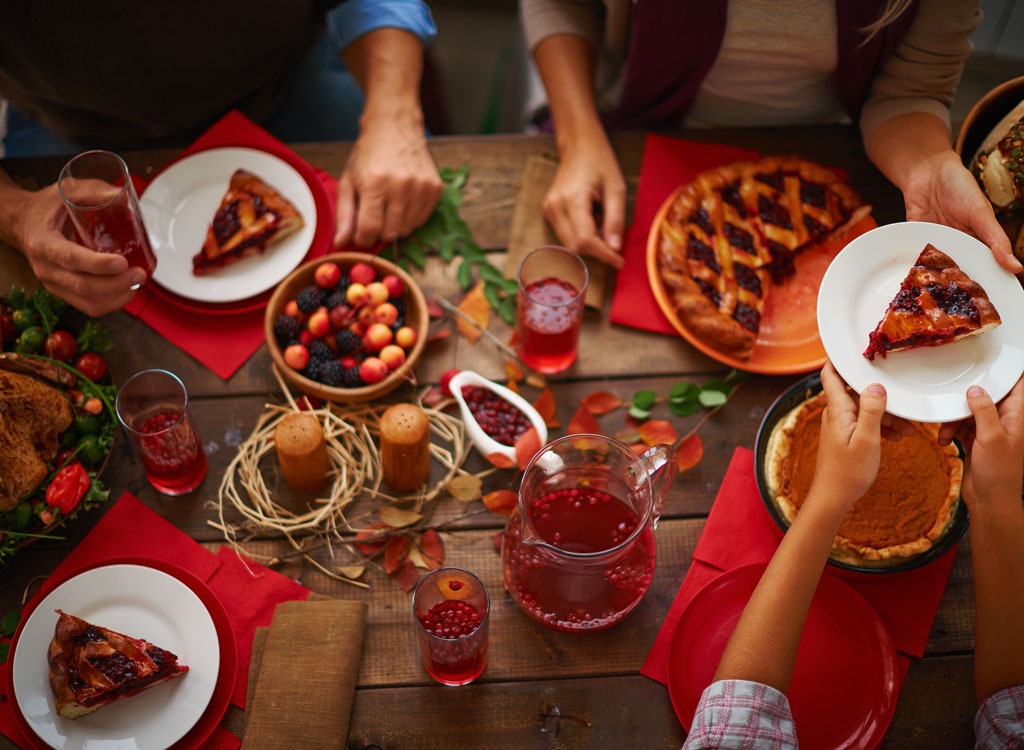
(845, 683)
(224, 687)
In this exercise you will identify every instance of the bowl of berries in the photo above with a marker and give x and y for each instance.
(348, 327)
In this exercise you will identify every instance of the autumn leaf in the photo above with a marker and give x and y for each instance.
(601, 402)
(434, 310)
(476, 307)
(501, 460)
(536, 380)
(397, 518)
(638, 448)
(689, 453)
(432, 396)
(371, 548)
(527, 446)
(465, 487)
(657, 431)
(513, 370)
(394, 553)
(502, 502)
(583, 421)
(545, 406)
(628, 435)
(352, 572)
(432, 546)
(407, 576)
(512, 385)
(439, 333)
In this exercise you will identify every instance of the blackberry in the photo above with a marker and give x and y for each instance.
(286, 330)
(333, 298)
(318, 349)
(399, 304)
(347, 342)
(332, 373)
(309, 299)
(396, 325)
(342, 285)
(351, 378)
(312, 371)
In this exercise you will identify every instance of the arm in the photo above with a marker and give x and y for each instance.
(390, 184)
(588, 172)
(763, 647)
(32, 222)
(992, 490)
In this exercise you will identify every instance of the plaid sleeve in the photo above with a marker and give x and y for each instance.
(742, 715)
(999, 724)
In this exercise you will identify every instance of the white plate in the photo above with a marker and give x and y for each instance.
(180, 203)
(930, 383)
(140, 602)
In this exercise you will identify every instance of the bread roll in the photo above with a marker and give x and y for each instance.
(302, 452)
(405, 447)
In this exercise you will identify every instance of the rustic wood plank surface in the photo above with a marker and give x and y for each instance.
(541, 689)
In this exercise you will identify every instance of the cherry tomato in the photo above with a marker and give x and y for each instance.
(89, 450)
(68, 488)
(60, 345)
(93, 366)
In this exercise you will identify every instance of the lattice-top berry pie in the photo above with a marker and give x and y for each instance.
(252, 216)
(732, 233)
(937, 303)
(91, 666)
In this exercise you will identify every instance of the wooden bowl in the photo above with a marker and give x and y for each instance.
(985, 115)
(416, 316)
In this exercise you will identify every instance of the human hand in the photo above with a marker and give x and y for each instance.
(390, 185)
(588, 175)
(849, 448)
(95, 283)
(995, 448)
(942, 190)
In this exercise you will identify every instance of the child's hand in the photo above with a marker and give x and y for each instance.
(995, 449)
(849, 448)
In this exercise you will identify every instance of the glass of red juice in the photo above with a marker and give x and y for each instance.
(152, 405)
(451, 608)
(100, 200)
(552, 290)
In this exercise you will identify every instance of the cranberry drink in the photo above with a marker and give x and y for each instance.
(117, 230)
(451, 607)
(172, 453)
(548, 324)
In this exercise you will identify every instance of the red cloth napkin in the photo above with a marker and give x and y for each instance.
(223, 343)
(248, 591)
(667, 164)
(739, 531)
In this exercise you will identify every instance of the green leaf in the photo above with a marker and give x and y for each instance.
(711, 399)
(414, 251)
(716, 384)
(641, 414)
(446, 248)
(9, 623)
(490, 273)
(94, 338)
(510, 286)
(465, 274)
(430, 234)
(683, 392)
(684, 408)
(493, 294)
(644, 400)
(735, 376)
(508, 310)
(49, 306)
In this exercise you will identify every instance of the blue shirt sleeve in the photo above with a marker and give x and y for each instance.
(350, 20)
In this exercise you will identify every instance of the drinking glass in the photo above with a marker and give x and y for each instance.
(451, 607)
(552, 290)
(153, 407)
(100, 199)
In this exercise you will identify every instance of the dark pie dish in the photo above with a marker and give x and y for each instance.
(783, 405)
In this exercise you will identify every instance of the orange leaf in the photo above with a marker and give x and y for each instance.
(545, 406)
(395, 552)
(527, 446)
(628, 435)
(655, 431)
(689, 453)
(601, 402)
(407, 575)
(439, 333)
(583, 421)
(478, 309)
(433, 548)
(513, 370)
(434, 310)
(371, 548)
(502, 502)
(500, 460)
(513, 386)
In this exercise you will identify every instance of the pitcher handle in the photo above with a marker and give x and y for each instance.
(660, 462)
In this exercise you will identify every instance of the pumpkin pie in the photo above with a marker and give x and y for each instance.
(908, 508)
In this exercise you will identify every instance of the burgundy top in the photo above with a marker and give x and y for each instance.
(674, 44)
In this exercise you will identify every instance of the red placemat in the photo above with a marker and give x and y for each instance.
(224, 343)
(248, 591)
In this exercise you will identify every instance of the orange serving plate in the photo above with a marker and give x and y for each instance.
(788, 342)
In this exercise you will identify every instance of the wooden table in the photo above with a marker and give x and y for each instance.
(541, 689)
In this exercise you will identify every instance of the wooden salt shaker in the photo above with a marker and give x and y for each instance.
(405, 447)
(302, 452)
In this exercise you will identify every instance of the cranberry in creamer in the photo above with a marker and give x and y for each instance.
(501, 420)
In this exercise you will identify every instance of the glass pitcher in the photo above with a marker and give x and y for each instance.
(578, 552)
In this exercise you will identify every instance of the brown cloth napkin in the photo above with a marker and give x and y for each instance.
(305, 666)
(530, 230)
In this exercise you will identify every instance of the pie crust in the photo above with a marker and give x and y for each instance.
(732, 233)
(909, 507)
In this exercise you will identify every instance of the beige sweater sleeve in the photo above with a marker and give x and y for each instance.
(922, 73)
(544, 18)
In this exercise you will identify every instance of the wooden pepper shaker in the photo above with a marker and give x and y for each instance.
(302, 452)
(405, 447)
